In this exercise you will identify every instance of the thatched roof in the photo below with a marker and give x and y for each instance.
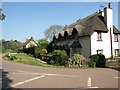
(115, 30)
(87, 26)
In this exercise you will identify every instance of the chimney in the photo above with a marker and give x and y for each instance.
(108, 16)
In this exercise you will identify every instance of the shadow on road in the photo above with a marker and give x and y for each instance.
(5, 80)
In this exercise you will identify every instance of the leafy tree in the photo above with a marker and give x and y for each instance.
(49, 33)
(42, 43)
(11, 45)
(2, 16)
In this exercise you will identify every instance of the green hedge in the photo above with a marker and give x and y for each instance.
(97, 60)
(59, 58)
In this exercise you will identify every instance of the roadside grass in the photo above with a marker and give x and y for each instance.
(28, 59)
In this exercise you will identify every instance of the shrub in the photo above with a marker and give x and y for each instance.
(59, 57)
(30, 50)
(101, 61)
(77, 60)
(44, 51)
(97, 60)
(12, 57)
(51, 62)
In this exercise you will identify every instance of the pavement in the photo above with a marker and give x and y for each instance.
(16, 75)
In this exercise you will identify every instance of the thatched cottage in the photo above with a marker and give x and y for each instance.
(90, 35)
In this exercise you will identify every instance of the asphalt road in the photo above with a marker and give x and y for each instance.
(18, 75)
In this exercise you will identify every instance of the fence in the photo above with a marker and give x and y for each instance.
(114, 62)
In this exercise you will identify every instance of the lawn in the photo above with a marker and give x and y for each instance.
(26, 59)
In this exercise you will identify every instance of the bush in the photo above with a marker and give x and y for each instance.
(11, 57)
(44, 51)
(30, 50)
(77, 60)
(51, 62)
(97, 60)
(59, 57)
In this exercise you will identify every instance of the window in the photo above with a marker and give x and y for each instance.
(99, 36)
(116, 52)
(116, 37)
(100, 51)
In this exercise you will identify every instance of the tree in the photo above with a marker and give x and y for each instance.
(49, 33)
(11, 45)
(42, 43)
(2, 16)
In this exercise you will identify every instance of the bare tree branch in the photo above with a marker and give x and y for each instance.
(49, 33)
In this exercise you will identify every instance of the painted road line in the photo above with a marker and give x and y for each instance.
(26, 81)
(93, 87)
(28, 73)
(89, 84)
(117, 77)
(61, 75)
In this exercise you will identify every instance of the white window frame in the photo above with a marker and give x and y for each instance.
(99, 36)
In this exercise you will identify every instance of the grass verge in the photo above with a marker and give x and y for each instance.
(27, 59)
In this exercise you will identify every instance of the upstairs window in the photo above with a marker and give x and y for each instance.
(99, 36)
(116, 37)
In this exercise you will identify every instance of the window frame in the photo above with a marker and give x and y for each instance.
(116, 38)
(99, 36)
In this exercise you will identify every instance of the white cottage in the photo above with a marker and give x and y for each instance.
(29, 43)
(91, 35)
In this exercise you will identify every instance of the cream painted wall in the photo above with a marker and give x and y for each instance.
(85, 43)
(31, 43)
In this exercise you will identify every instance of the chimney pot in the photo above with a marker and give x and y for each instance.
(109, 5)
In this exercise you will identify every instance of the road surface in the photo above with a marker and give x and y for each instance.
(18, 75)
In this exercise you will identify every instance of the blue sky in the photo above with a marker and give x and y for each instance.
(26, 19)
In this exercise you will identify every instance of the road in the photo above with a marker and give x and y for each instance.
(18, 75)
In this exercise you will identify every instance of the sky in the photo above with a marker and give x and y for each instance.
(31, 19)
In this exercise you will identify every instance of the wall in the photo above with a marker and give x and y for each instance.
(31, 43)
(119, 43)
(104, 44)
(85, 43)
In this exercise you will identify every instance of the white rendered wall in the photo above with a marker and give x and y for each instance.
(98, 45)
(105, 44)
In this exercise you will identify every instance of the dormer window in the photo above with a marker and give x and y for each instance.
(99, 36)
(116, 37)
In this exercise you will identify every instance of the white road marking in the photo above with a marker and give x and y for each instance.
(21, 71)
(27, 73)
(29, 80)
(49, 74)
(117, 77)
(89, 84)
(93, 87)
(61, 75)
